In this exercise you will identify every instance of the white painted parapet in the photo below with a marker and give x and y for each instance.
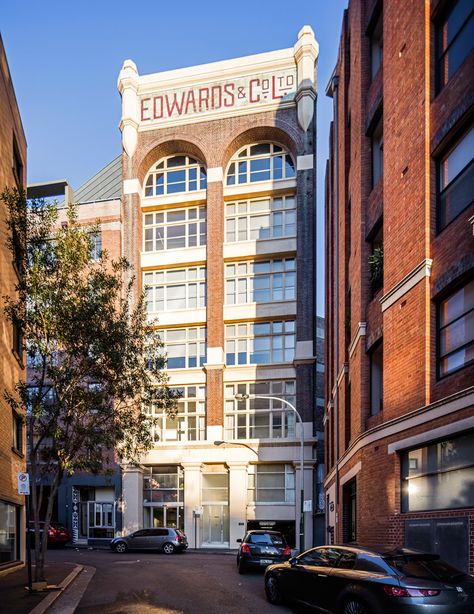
(128, 88)
(306, 53)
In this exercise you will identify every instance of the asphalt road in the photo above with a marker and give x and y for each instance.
(189, 583)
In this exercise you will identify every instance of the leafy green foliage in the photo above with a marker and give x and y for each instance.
(94, 362)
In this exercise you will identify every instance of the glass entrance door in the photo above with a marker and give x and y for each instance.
(215, 525)
(165, 516)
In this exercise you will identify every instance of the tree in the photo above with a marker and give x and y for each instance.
(95, 363)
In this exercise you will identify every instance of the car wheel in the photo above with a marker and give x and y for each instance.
(242, 567)
(272, 590)
(354, 606)
(168, 548)
(121, 547)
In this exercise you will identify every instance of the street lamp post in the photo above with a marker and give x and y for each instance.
(298, 417)
(233, 443)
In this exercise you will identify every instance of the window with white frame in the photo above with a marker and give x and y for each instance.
(271, 483)
(174, 229)
(262, 218)
(260, 162)
(185, 348)
(174, 175)
(172, 289)
(260, 342)
(260, 418)
(260, 282)
(189, 422)
(95, 246)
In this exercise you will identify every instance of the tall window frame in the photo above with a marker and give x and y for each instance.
(455, 328)
(376, 141)
(174, 229)
(455, 180)
(453, 41)
(270, 342)
(265, 161)
(260, 281)
(175, 289)
(175, 174)
(189, 423)
(376, 377)
(260, 218)
(259, 418)
(185, 347)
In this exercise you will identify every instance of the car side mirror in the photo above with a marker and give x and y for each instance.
(238, 540)
(293, 561)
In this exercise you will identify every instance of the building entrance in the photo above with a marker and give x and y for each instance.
(215, 525)
(165, 516)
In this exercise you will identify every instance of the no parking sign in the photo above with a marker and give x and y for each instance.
(23, 483)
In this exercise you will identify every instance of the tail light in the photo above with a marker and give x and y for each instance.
(287, 551)
(245, 549)
(398, 591)
(50, 532)
(179, 538)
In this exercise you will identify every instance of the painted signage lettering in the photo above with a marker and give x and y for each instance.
(221, 96)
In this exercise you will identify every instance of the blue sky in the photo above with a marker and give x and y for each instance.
(65, 58)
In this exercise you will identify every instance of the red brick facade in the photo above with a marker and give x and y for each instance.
(423, 264)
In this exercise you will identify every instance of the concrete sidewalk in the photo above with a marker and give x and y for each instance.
(15, 599)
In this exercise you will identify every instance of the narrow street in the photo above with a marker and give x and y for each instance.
(186, 583)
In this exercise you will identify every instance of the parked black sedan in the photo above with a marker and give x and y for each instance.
(344, 580)
(261, 548)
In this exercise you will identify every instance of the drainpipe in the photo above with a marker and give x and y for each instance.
(335, 87)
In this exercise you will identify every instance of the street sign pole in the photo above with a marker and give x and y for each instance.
(28, 543)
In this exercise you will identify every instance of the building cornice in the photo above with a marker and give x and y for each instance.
(361, 332)
(416, 275)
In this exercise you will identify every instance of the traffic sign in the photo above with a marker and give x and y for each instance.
(23, 483)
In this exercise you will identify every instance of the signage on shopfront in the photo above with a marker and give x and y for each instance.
(219, 96)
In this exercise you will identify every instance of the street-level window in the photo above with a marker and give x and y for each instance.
(188, 424)
(262, 218)
(439, 475)
(185, 347)
(172, 289)
(260, 282)
(174, 175)
(349, 511)
(260, 162)
(260, 418)
(260, 342)
(454, 39)
(271, 483)
(10, 539)
(456, 180)
(456, 330)
(101, 520)
(163, 484)
(174, 229)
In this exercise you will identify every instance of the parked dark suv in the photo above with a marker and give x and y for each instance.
(261, 548)
(166, 539)
(345, 580)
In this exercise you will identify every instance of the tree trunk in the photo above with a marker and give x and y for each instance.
(41, 541)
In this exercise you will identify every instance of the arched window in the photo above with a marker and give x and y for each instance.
(260, 162)
(175, 174)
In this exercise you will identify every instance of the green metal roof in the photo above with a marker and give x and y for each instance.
(105, 185)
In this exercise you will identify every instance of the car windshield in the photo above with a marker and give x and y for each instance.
(428, 569)
(267, 538)
(56, 525)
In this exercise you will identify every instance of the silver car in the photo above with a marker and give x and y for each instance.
(165, 539)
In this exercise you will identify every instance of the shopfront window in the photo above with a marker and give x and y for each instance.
(439, 475)
(9, 539)
(271, 484)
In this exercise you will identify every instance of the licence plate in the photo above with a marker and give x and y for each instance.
(265, 561)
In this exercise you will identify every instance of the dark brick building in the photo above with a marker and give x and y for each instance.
(399, 417)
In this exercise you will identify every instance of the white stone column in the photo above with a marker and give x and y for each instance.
(132, 498)
(192, 499)
(308, 494)
(238, 484)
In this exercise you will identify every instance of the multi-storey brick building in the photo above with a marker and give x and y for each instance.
(12, 447)
(88, 504)
(399, 418)
(219, 220)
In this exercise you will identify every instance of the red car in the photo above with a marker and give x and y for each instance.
(58, 535)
